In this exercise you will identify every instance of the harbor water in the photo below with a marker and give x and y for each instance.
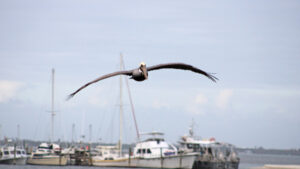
(248, 161)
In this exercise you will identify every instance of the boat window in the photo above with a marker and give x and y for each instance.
(148, 151)
(40, 155)
(6, 152)
(19, 152)
(139, 151)
(144, 151)
(189, 146)
(23, 152)
(42, 147)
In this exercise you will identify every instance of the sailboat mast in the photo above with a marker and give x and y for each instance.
(131, 103)
(52, 108)
(121, 108)
(18, 132)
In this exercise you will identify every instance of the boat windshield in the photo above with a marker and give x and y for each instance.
(43, 147)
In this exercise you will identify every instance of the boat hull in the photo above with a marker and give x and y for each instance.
(17, 161)
(176, 161)
(48, 161)
(215, 165)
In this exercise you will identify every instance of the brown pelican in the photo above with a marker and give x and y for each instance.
(141, 73)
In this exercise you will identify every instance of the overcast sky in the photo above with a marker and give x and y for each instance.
(252, 46)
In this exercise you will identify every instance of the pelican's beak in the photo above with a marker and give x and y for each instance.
(144, 70)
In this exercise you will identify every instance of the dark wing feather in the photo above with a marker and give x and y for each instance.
(101, 78)
(182, 66)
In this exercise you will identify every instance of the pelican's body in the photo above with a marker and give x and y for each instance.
(141, 73)
(137, 75)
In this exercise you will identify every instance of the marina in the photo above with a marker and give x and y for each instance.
(248, 161)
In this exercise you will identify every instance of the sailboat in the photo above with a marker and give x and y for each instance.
(111, 156)
(48, 154)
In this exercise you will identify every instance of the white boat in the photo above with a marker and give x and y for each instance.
(212, 154)
(155, 152)
(12, 155)
(47, 154)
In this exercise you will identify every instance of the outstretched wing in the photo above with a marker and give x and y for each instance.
(182, 66)
(101, 78)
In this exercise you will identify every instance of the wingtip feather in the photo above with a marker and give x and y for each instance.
(212, 77)
(70, 97)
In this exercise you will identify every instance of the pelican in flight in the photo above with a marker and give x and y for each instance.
(141, 73)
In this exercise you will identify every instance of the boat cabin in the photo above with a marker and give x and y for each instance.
(154, 146)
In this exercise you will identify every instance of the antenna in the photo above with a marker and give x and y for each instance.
(191, 131)
(52, 108)
(73, 132)
(18, 132)
(90, 133)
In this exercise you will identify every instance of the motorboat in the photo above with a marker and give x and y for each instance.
(12, 155)
(155, 152)
(47, 154)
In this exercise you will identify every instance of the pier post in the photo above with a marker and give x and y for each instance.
(59, 155)
(90, 155)
(180, 160)
(129, 158)
(15, 151)
(161, 159)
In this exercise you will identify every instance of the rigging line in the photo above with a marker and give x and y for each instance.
(101, 134)
(131, 103)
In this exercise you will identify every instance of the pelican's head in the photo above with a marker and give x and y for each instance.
(142, 64)
(144, 70)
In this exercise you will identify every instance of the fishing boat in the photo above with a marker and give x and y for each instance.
(211, 153)
(12, 155)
